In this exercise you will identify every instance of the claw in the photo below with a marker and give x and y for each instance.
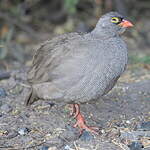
(81, 121)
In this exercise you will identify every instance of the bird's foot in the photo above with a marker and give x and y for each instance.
(81, 121)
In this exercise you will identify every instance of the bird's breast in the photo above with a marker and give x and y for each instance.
(102, 68)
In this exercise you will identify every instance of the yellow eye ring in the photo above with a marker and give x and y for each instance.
(115, 20)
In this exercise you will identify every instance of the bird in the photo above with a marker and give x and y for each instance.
(76, 68)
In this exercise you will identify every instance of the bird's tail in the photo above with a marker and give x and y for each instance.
(30, 98)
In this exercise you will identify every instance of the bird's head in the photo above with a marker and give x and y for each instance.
(113, 23)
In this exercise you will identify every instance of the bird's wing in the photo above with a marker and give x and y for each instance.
(49, 55)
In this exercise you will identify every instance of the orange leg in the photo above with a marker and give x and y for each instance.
(81, 121)
(75, 110)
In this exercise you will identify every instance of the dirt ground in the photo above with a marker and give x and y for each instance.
(123, 117)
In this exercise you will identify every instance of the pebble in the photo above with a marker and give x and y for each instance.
(70, 133)
(86, 136)
(136, 146)
(23, 131)
(2, 93)
(144, 126)
(67, 147)
(3, 132)
(6, 108)
(44, 147)
(128, 122)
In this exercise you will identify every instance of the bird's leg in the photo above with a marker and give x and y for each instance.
(74, 110)
(81, 121)
(77, 110)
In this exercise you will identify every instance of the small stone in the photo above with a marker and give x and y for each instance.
(6, 108)
(70, 133)
(2, 93)
(144, 126)
(67, 147)
(47, 148)
(128, 122)
(44, 147)
(136, 146)
(3, 132)
(102, 131)
(86, 136)
(23, 131)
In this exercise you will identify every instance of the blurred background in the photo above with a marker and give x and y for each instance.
(24, 23)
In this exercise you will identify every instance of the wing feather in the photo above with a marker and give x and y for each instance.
(48, 55)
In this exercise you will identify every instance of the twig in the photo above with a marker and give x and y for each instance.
(75, 145)
(19, 24)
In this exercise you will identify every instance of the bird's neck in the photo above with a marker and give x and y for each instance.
(102, 33)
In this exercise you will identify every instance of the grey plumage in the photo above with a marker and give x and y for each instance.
(79, 67)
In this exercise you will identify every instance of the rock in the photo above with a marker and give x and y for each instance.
(2, 93)
(23, 131)
(70, 133)
(6, 108)
(67, 147)
(3, 132)
(136, 146)
(44, 148)
(86, 136)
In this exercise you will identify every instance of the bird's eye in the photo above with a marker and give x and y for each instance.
(115, 20)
